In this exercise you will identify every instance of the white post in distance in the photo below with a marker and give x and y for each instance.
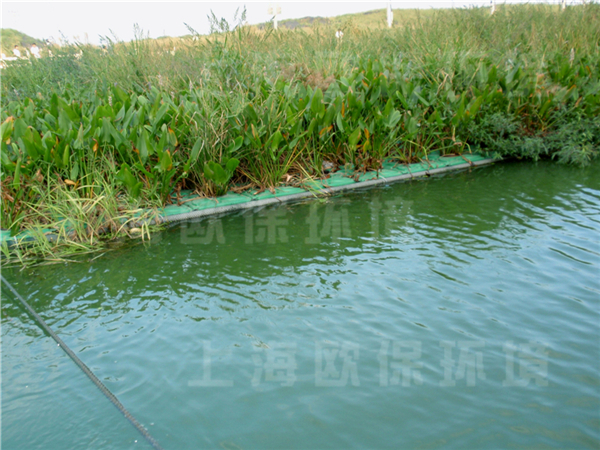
(493, 10)
(390, 15)
(274, 12)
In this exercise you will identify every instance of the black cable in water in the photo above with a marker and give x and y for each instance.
(85, 369)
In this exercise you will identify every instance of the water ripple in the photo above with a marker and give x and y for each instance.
(467, 317)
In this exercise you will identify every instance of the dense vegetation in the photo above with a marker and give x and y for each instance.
(106, 131)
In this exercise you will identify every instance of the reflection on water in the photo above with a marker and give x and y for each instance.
(457, 311)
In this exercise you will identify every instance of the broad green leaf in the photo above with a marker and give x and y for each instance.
(316, 105)
(172, 138)
(26, 142)
(275, 140)
(120, 115)
(7, 128)
(492, 75)
(238, 143)
(142, 147)
(329, 115)
(66, 156)
(120, 94)
(412, 126)
(339, 122)
(6, 162)
(475, 106)
(74, 172)
(135, 191)
(421, 99)
(232, 164)
(460, 112)
(166, 163)
(393, 119)
(151, 148)
(54, 105)
(208, 171)
(162, 145)
(141, 168)
(353, 138)
(105, 135)
(545, 107)
(367, 146)
(311, 126)
(17, 176)
(78, 143)
(159, 116)
(291, 116)
(402, 99)
(66, 108)
(389, 106)
(250, 113)
(294, 142)
(196, 150)
(128, 116)
(129, 181)
(375, 95)
(117, 136)
(142, 100)
(20, 128)
(220, 175)
(64, 122)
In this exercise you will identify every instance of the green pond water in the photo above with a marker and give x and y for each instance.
(452, 312)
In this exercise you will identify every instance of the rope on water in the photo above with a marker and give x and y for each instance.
(85, 368)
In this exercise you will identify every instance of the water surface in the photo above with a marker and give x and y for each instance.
(454, 312)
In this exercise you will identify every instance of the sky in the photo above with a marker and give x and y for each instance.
(89, 22)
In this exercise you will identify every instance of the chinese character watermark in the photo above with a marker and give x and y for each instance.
(336, 364)
(396, 212)
(207, 381)
(268, 225)
(532, 359)
(279, 366)
(205, 232)
(400, 364)
(469, 365)
(335, 223)
(403, 365)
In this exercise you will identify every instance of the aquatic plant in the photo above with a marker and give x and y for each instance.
(260, 107)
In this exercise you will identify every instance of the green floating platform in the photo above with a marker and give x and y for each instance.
(192, 207)
(338, 181)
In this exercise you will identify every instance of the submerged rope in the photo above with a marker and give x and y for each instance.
(85, 369)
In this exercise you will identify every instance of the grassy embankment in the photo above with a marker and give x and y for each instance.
(91, 136)
(11, 38)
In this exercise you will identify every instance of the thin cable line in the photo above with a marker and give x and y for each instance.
(115, 401)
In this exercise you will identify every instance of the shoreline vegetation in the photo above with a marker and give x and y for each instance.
(92, 137)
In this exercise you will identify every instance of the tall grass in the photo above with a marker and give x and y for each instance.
(260, 107)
